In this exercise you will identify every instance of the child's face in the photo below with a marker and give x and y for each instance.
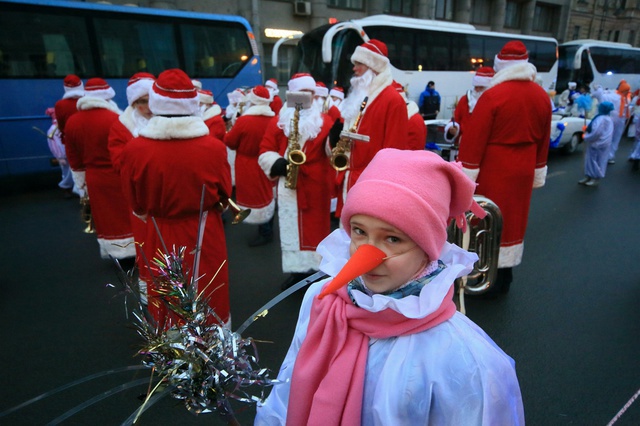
(408, 258)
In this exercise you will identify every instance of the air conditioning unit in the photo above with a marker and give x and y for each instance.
(302, 8)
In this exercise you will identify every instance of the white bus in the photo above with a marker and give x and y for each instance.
(419, 50)
(592, 62)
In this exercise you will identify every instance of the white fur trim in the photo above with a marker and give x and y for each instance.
(305, 82)
(118, 247)
(89, 102)
(73, 92)
(80, 182)
(165, 128)
(471, 173)
(293, 259)
(499, 64)
(412, 109)
(446, 129)
(510, 256)
(258, 100)
(271, 84)
(212, 111)
(105, 94)
(260, 110)
(376, 62)
(260, 215)
(138, 89)
(481, 81)
(266, 161)
(236, 97)
(540, 177)
(128, 120)
(205, 98)
(164, 105)
(520, 70)
(321, 91)
(336, 93)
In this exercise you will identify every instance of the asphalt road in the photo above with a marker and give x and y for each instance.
(571, 320)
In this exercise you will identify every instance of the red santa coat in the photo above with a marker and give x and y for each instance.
(460, 116)
(303, 213)
(214, 121)
(416, 129)
(505, 150)
(87, 135)
(253, 189)
(164, 170)
(65, 108)
(276, 104)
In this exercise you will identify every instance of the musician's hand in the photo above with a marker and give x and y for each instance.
(453, 131)
(279, 168)
(334, 133)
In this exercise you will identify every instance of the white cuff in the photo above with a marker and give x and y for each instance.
(540, 177)
(446, 130)
(471, 173)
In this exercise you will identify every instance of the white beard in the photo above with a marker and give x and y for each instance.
(318, 103)
(272, 93)
(336, 103)
(472, 99)
(140, 122)
(350, 107)
(309, 125)
(231, 111)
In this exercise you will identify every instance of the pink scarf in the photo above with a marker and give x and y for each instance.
(327, 383)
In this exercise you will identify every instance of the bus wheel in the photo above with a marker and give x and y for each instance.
(572, 146)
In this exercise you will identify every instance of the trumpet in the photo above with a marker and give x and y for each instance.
(295, 155)
(239, 214)
(86, 216)
(340, 155)
(483, 238)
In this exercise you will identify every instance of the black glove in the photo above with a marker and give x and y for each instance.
(279, 168)
(334, 133)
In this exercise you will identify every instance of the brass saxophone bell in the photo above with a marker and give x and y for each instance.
(86, 216)
(239, 215)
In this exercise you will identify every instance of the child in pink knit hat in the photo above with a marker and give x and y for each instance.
(381, 342)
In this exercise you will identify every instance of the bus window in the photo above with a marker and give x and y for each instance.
(126, 47)
(541, 54)
(219, 51)
(59, 47)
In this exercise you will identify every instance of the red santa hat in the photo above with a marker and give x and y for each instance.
(98, 88)
(205, 97)
(139, 85)
(483, 77)
(259, 95)
(73, 86)
(513, 53)
(373, 54)
(272, 83)
(399, 89)
(337, 91)
(321, 89)
(419, 198)
(173, 93)
(302, 81)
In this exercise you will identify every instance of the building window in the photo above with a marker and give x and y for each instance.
(546, 17)
(480, 12)
(346, 4)
(576, 33)
(512, 15)
(444, 10)
(399, 7)
(632, 38)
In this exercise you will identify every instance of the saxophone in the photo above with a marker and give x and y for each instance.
(86, 216)
(340, 155)
(295, 155)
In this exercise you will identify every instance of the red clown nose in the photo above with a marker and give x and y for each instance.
(366, 258)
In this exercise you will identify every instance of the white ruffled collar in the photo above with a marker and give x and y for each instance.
(165, 128)
(334, 250)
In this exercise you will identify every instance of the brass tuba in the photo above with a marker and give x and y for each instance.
(295, 155)
(85, 215)
(340, 155)
(483, 238)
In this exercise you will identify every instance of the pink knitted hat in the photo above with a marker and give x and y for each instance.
(416, 192)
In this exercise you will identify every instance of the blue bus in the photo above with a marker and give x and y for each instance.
(41, 41)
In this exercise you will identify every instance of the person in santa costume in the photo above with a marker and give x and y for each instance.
(505, 148)
(336, 96)
(481, 80)
(416, 130)
(87, 138)
(212, 114)
(172, 170)
(303, 212)
(621, 100)
(384, 118)
(67, 106)
(379, 342)
(253, 189)
(276, 101)
(134, 118)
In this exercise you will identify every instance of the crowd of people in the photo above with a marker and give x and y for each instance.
(161, 173)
